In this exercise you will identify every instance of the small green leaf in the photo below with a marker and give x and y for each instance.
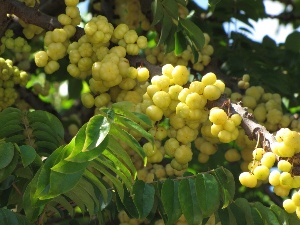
(167, 25)
(61, 200)
(257, 217)
(189, 202)
(61, 183)
(227, 184)
(158, 12)
(11, 129)
(117, 149)
(125, 109)
(193, 32)
(244, 205)
(96, 130)
(128, 139)
(267, 214)
(170, 200)
(100, 166)
(143, 197)
(8, 217)
(171, 8)
(170, 41)
(180, 43)
(47, 119)
(9, 169)
(7, 152)
(96, 181)
(129, 204)
(28, 154)
(206, 183)
(224, 216)
(238, 214)
(134, 126)
(281, 214)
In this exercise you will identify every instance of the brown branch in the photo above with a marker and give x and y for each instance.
(29, 15)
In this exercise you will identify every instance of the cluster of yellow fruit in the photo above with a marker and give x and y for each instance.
(244, 82)
(130, 13)
(30, 30)
(224, 127)
(282, 179)
(9, 77)
(57, 41)
(185, 107)
(265, 107)
(259, 168)
(158, 56)
(16, 45)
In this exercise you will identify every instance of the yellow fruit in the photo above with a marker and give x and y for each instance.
(212, 92)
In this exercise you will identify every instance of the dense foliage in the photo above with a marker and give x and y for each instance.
(147, 112)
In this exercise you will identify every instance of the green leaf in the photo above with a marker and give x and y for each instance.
(125, 109)
(126, 179)
(167, 25)
(281, 214)
(77, 198)
(47, 119)
(170, 200)
(238, 214)
(7, 152)
(158, 12)
(7, 217)
(268, 216)
(96, 130)
(170, 41)
(118, 150)
(224, 216)
(86, 156)
(257, 217)
(244, 205)
(128, 139)
(39, 126)
(134, 126)
(10, 129)
(96, 181)
(206, 183)
(61, 183)
(100, 166)
(227, 184)
(129, 204)
(28, 154)
(189, 202)
(41, 135)
(8, 170)
(62, 201)
(143, 197)
(93, 204)
(69, 167)
(193, 32)
(180, 43)
(170, 8)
